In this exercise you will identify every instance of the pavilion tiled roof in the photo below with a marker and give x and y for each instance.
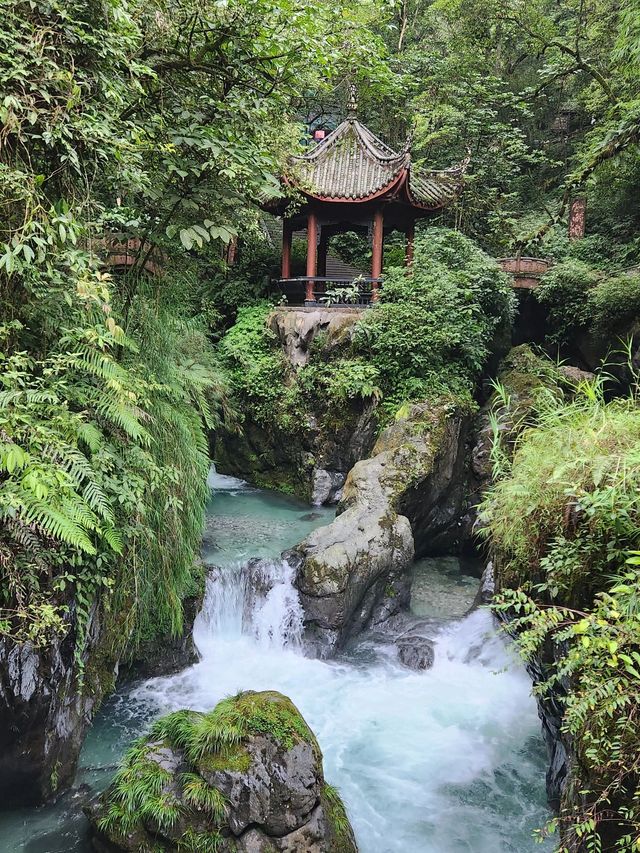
(353, 164)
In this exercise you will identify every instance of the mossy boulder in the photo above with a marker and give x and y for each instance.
(345, 569)
(297, 329)
(522, 375)
(246, 777)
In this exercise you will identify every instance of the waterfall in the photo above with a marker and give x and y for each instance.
(255, 599)
(274, 614)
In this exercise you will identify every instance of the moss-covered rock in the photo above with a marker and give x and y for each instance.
(304, 422)
(522, 375)
(345, 568)
(246, 777)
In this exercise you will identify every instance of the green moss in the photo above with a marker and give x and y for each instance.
(275, 715)
(235, 759)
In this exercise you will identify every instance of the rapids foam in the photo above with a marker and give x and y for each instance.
(442, 761)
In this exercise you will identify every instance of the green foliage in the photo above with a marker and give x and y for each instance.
(257, 368)
(121, 120)
(163, 493)
(615, 304)
(580, 297)
(579, 463)
(334, 383)
(564, 526)
(433, 330)
(564, 290)
(203, 797)
(105, 462)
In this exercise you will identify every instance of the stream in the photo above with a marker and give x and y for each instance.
(450, 760)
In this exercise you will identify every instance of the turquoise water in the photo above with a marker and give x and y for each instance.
(444, 761)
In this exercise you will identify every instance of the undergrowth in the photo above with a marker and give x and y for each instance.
(430, 335)
(564, 528)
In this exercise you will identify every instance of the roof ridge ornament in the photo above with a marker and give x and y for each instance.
(352, 102)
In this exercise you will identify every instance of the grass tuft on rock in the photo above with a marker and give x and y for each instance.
(337, 817)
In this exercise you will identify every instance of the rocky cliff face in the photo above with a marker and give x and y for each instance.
(246, 778)
(312, 463)
(353, 571)
(44, 714)
(48, 697)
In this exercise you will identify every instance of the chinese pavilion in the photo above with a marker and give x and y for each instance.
(352, 181)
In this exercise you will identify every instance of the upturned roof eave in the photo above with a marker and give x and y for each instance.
(394, 184)
(374, 147)
(398, 190)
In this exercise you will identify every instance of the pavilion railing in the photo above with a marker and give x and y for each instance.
(330, 291)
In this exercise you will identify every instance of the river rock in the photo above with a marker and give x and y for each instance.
(415, 652)
(246, 777)
(347, 568)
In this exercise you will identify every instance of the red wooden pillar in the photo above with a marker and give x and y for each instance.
(408, 252)
(377, 248)
(287, 231)
(312, 254)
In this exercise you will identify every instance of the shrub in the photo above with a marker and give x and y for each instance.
(615, 303)
(257, 368)
(564, 290)
(434, 328)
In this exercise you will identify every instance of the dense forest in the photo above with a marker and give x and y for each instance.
(164, 128)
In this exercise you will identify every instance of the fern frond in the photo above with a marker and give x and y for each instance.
(57, 524)
(90, 435)
(124, 417)
(113, 538)
(98, 501)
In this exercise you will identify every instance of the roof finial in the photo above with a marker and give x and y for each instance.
(352, 102)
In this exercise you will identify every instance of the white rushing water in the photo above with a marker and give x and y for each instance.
(444, 761)
(431, 762)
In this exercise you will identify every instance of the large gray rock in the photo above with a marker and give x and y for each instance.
(248, 776)
(297, 328)
(277, 791)
(347, 569)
